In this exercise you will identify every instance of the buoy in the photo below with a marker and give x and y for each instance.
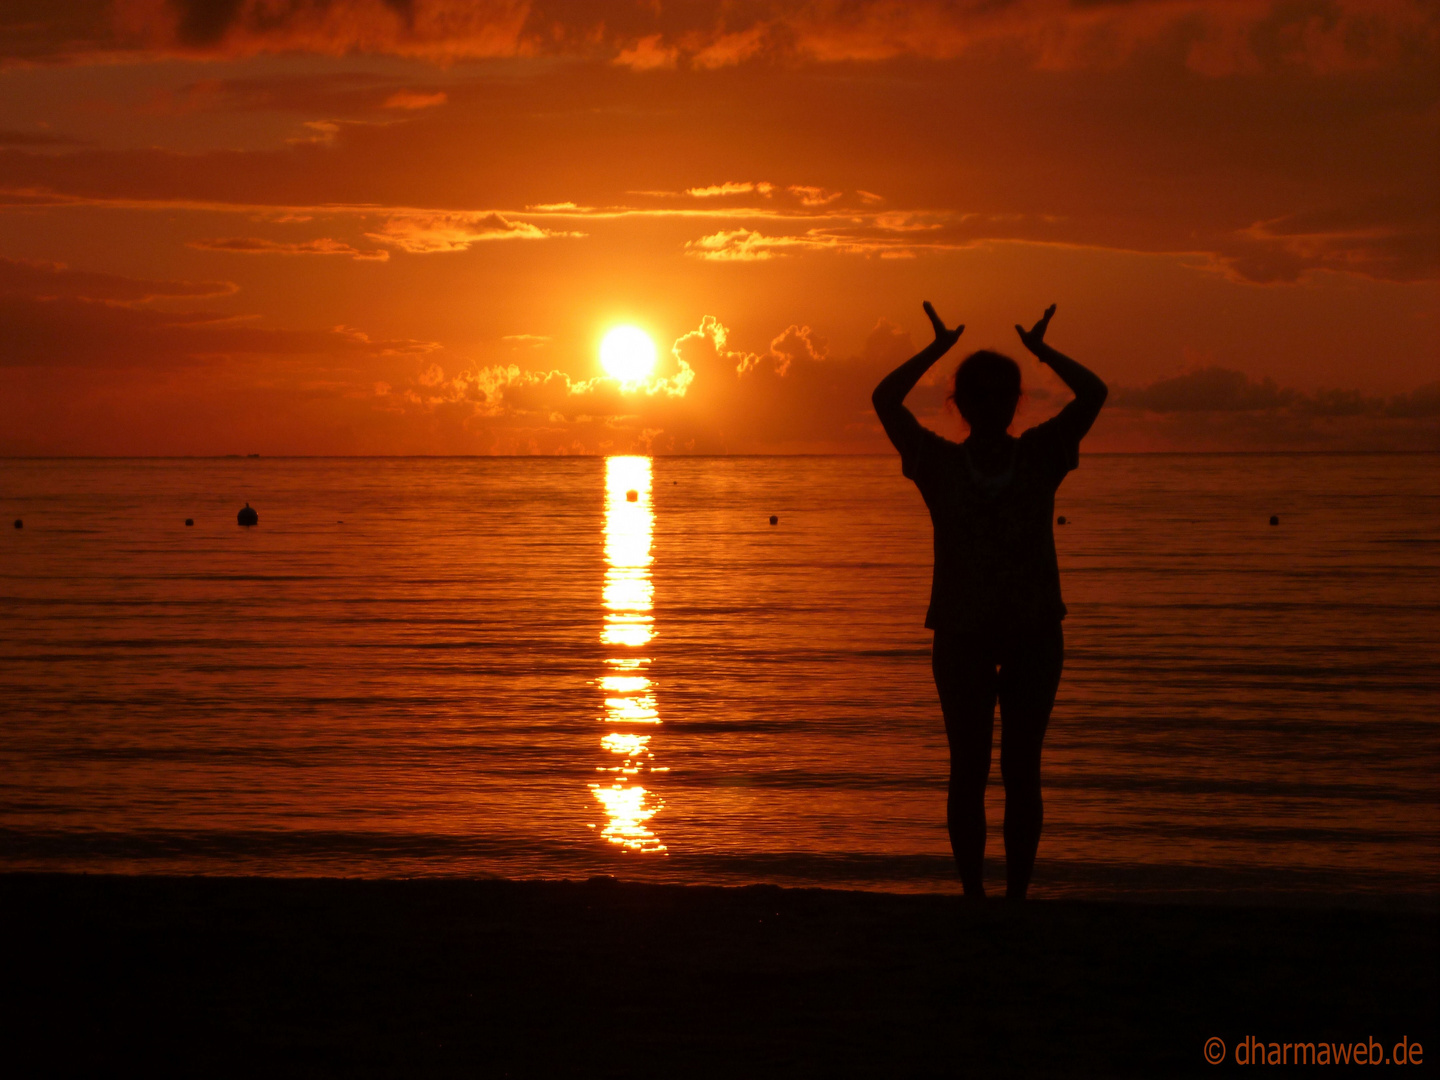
(1274, 520)
(248, 516)
(774, 520)
(1060, 520)
(631, 495)
(19, 524)
(189, 521)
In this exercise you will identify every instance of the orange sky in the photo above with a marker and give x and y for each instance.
(402, 226)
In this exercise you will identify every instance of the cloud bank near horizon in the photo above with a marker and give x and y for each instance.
(89, 340)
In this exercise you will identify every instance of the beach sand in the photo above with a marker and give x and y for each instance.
(498, 978)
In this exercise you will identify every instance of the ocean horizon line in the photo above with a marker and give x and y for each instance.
(685, 457)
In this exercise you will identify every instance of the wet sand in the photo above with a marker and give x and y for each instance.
(499, 978)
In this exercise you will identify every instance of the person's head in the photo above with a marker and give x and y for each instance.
(987, 389)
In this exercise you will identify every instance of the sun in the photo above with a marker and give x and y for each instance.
(627, 354)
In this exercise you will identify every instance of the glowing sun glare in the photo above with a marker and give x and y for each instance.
(627, 354)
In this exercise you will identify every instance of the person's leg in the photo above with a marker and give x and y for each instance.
(1029, 677)
(965, 676)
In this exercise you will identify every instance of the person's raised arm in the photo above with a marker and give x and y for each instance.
(1089, 390)
(889, 396)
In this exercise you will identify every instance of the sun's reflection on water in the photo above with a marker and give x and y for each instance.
(628, 627)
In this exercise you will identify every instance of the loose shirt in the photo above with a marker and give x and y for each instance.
(995, 563)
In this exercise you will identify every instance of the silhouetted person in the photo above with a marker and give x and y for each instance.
(995, 602)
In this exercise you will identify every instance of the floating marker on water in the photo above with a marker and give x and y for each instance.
(1274, 520)
(631, 495)
(248, 516)
(774, 520)
(189, 521)
(19, 524)
(1060, 520)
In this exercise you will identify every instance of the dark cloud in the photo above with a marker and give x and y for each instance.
(58, 281)
(72, 332)
(252, 245)
(41, 30)
(331, 94)
(1422, 402)
(1395, 238)
(1220, 390)
(1419, 404)
(1213, 38)
(205, 22)
(33, 139)
(439, 30)
(1211, 389)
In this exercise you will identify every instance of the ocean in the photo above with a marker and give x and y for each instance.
(565, 667)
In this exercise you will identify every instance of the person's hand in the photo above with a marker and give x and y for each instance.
(944, 338)
(1034, 338)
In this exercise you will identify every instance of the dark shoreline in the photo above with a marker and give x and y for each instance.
(603, 978)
